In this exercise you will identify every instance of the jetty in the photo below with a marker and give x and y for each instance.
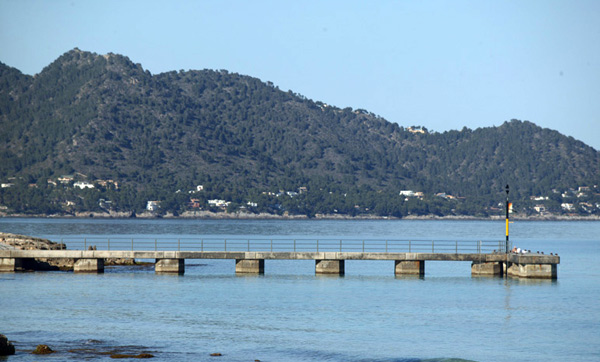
(409, 256)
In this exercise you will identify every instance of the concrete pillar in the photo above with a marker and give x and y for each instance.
(89, 266)
(174, 266)
(533, 271)
(486, 269)
(410, 267)
(330, 267)
(250, 266)
(10, 264)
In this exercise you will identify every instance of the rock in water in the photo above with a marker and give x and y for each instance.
(42, 349)
(6, 348)
(140, 356)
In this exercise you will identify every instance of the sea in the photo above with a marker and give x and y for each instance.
(291, 314)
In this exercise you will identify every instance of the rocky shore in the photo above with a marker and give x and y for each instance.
(80, 350)
(264, 216)
(23, 242)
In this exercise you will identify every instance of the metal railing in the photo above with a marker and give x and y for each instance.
(288, 245)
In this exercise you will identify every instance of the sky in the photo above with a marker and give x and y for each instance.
(440, 64)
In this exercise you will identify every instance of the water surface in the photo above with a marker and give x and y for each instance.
(290, 314)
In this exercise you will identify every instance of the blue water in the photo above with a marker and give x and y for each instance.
(290, 314)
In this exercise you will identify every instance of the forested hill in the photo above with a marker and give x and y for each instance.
(102, 117)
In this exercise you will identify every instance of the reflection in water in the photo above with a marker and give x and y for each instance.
(507, 307)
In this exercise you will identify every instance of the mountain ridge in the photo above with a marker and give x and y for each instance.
(106, 117)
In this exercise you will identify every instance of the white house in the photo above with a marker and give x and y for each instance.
(538, 198)
(152, 205)
(83, 185)
(567, 207)
(219, 203)
(66, 179)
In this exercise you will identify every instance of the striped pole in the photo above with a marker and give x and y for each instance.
(507, 210)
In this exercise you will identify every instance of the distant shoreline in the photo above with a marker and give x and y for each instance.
(207, 215)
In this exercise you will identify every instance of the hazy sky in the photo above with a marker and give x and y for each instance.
(440, 64)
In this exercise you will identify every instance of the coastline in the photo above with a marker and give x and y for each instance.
(207, 215)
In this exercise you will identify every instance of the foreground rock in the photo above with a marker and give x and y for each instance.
(6, 347)
(43, 349)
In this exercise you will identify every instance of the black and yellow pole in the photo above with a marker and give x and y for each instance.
(507, 211)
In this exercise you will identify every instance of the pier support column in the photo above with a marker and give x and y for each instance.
(330, 267)
(170, 266)
(486, 269)
(534, 271)
(250, 266)
(10, 264)
(410, 267)
(89, 266)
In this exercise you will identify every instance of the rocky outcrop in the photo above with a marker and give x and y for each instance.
(6, 347)
(22, 242)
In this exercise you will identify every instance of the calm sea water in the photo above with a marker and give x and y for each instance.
(290, 314)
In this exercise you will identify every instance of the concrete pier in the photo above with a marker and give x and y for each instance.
(330, 267)
(332, 263)
(410, 267)
(532, 266)
(10, 264)
(250, 266)
(169, 266)
(535, 271)
(89, 266)
(486, 269)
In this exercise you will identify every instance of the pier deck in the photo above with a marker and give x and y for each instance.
(327, 262)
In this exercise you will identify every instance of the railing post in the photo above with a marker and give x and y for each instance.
(225, 241)
(317, 245)
(155, 244)
(84, 243)
(202, 245)
(178, 244)
(363, 246)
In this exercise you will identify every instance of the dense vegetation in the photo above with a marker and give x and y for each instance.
(159, 136)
